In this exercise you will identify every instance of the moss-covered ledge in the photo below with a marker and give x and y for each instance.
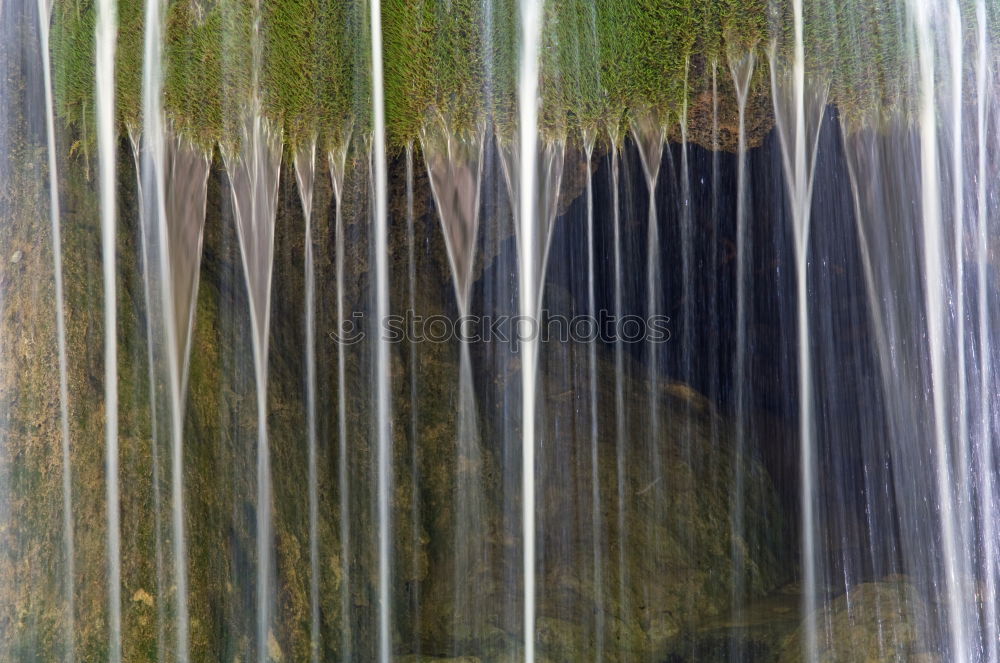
(601, 61)
(457, 60)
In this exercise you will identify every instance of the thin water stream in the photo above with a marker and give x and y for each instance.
(337, 162)
(69, 548)
(253, 174)
(104, 78)
(305, 178)
(741, 69)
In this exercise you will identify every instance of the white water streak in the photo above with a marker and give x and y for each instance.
(305, 175)
(383, 413)
(55, 216)
(151, 376)
(935, 300)
(986, 479)
(806, 440)
(454, 168)
(741, 68)
(799, 147)
(619, 303)
(528, 101)
(589, 141)
(253, 173)
(958, 101)
(173, 181)
(106, 35)
(154, 167)
(336, 158)
(649, 133)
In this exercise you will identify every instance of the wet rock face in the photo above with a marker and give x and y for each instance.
(665, 527)
(754, 633)
(663, 515)
(708, 112)
(876, 622)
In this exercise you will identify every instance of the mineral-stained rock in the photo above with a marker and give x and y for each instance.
(877, 622)
(753, 633)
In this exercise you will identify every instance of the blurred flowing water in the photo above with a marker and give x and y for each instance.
(754, 418)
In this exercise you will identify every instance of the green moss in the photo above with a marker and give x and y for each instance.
(128, 63)
(192, 84)
(288, 85)
(340, 67)
(459, 59)
(436, 61)
(72, 43)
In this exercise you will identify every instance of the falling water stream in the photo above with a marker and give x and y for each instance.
(305, 178)
(336, 160)
(936, 295)
(984, 470)
(253, 172)
(649, 134)
(619, 358)
(104, 77)
(799, 106)
(57, 270)
(529, 280)
(589, 142)
(383, 409)
(741, 68)
(173, 182)
(154, 375)
(454, 168)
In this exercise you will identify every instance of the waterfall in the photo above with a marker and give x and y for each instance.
(798, 108)
(454, 168)
(173, 186)
(173, 190)
(105, 33)
(253, 174)
(533, 240)
(690, 448)
(151, 176)
(153, 376)
(305, 178)
(936, 295)
(530, 12)
(713, 264)
(619, 360)
(648, 132)
(741, 68)
(806, 463)
(987, 502)
(383, 421)
(67, 471)
(956, 75)
(911, 205)
(336, 160)
(954, 32)
(686, 213)
(589, 141)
